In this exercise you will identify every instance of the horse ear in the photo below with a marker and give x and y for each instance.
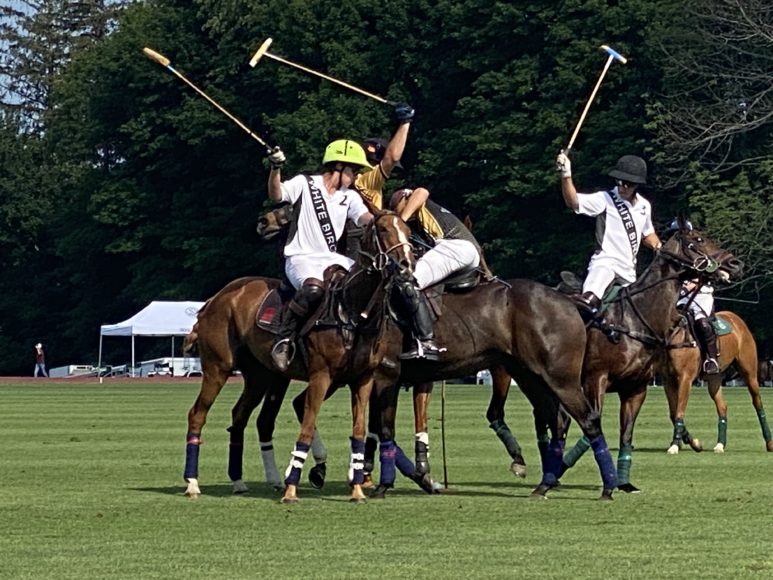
(467, 222)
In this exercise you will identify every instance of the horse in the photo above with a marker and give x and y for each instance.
(527, 329)
(227, 337)
(645, 316)
(683, 365)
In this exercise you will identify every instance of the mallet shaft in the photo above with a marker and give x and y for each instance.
(165, 62)
(590, 101)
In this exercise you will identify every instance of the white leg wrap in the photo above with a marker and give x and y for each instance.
(356, 461)
(423, 437)
(297, 460)
(269, 464)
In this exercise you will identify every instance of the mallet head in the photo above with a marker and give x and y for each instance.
(153, 55)
(614, 54)
(260, 52)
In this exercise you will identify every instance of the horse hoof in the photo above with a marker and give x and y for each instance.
(719, 448)
(424, 481)
(673, 450)
(317, 475)
(540, 492)
(518, 469)
(192, 495)
(289, 500)
(239, 487)
(696, 445)
(379, 492)
(627, 488)
(606, 495)
(358, 500)
(769, 445)
(367, 482)
(193, 491)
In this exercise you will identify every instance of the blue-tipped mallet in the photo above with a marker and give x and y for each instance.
(613, 55)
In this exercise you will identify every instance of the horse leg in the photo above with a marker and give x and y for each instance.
(371, 439)
(678, 385)
(585, 410)
(495, 414)
(629, 409)
(319, 383)
(317, 473)
(747, 365)
(360, 396)
(266, 424)
(214, 377)
(240, 415)
(715, 392)
(421, 396)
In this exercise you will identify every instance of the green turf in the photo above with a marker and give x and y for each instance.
(91, 487)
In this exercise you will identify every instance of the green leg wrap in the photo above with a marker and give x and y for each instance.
(571, 456)
(722, 431)
(624, 458)
(764, 424)
(678, 432)
(506, 437)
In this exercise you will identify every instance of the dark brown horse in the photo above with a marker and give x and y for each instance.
(227, 338)
(645, 315)
(529, 330)
(683, 365)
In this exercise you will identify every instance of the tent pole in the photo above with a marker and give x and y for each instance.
(99, 357)
(132, 355)
(171, 367)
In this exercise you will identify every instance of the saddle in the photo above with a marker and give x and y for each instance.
(571, 285)
(459, 283)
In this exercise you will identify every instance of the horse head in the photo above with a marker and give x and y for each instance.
(386, 247)
(700, 256)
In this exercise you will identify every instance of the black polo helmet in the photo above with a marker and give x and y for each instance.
(630, 168)
(374, 150)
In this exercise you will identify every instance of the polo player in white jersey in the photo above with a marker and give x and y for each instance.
(623, 224)
(326, 202)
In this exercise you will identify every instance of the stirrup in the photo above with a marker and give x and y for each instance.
(283, 353)
(424, 349)
(711, 366)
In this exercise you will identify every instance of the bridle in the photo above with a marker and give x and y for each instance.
(382, 261)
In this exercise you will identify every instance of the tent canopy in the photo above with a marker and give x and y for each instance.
(159, 318)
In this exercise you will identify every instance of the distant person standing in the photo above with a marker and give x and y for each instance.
(40, 361)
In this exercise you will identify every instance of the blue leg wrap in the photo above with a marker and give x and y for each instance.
(604, 461)
(553, 462)
(404, 464)
(357, 461)
(298, 457)
(192, 456)
(387, 458)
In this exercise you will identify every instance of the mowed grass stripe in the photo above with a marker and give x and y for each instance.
(91, 486)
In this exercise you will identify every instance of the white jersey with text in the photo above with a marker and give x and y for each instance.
(613, 247)
(336, 208)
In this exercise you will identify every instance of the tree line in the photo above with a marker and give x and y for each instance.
(119, 185)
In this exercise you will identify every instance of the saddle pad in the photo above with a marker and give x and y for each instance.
(722, 326)
(609, 297)
(269, 312)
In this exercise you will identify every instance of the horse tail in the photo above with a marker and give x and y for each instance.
(190, 344)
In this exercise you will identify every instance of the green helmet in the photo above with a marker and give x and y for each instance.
(345, 151)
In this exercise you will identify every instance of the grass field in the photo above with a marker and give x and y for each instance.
(91, 487)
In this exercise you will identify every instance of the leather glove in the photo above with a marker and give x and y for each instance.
(404, 113)
(563, 165)
(276, 157)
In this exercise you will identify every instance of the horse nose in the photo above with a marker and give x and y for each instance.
(405, 267)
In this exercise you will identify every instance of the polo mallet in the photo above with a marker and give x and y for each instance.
(443, 431)
(165, 62)
(263, 51)
(613, 55)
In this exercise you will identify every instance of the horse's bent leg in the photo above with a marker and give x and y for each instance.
(715, 392)
(211, 384)
(500, 387)
(319, 383)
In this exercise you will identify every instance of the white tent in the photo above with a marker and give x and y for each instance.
(159, 318)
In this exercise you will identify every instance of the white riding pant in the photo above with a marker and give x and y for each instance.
(700, 307)
(447, 257)
(601, 273)
(298, 268)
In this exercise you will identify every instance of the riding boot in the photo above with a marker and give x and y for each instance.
(421, 321)
(306, 298)
(589, 306)
(708, 338)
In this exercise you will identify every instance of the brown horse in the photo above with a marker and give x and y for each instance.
(683, 365)
(645, 315)
(529, 330)
(227, 337)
